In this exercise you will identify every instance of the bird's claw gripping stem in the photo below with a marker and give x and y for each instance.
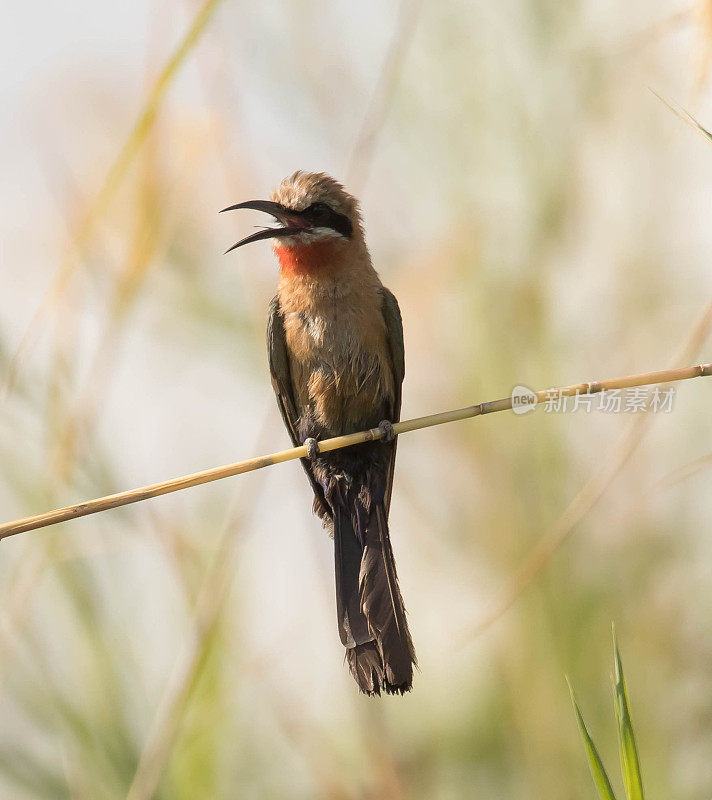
(387, 432)
(312, 448)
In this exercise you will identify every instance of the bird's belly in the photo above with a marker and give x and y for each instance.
(343, 401)
(342, 387)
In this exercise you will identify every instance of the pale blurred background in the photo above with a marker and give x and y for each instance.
(543, 219)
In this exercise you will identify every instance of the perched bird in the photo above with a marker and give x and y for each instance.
(336, 357)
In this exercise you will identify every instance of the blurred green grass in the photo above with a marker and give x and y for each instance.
(542, 220)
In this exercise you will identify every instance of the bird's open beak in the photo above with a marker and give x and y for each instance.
(292, 222)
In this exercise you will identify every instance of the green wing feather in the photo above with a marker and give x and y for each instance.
(394, 326)
(283, 389)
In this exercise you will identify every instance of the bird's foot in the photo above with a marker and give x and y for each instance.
(312, 448)
(387, 432)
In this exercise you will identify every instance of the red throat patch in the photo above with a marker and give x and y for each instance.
(306, 259)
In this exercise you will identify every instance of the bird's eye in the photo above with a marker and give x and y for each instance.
(322, 215)
(320, 210)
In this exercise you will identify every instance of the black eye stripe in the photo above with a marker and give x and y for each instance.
(323, 216)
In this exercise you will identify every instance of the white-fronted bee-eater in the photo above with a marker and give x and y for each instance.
(336, 357)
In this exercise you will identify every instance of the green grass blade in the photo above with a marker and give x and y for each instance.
(630, 765)
(598, 771)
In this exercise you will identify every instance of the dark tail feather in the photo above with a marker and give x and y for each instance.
(363, 657)
(353, 628)
(382, 604)
(371, 615)
(366, 666)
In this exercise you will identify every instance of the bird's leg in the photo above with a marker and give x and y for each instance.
(312, 448)
(387, 432)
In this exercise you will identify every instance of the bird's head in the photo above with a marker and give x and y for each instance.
(317, 219)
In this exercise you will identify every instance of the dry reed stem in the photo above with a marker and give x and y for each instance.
(704, 26)
(110, 186)
(187, 668)
(361, 156)
(152, 234)
(658, 28)
(681, 474)
(314, 745)
(649, 496)
(335, 443)
(584, 501)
